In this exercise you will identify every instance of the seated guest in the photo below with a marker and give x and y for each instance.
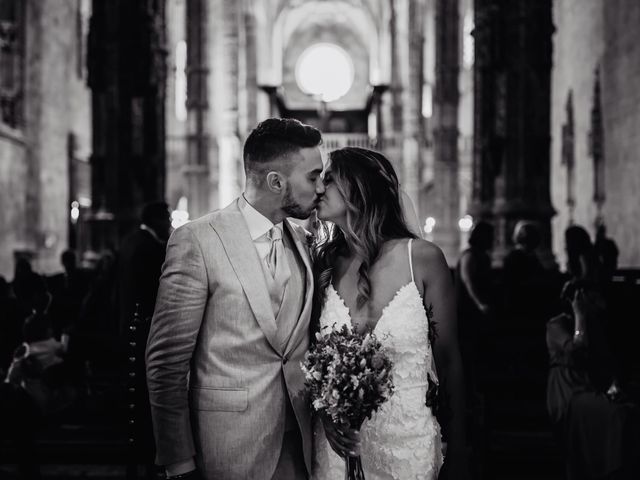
(594, 427)
(38, 364)
(34, 388)
(96, 337)
(68, 289)
(10, 325)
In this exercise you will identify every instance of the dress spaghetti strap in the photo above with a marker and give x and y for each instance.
(410, 259)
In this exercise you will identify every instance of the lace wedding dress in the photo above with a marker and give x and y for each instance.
(402, 440)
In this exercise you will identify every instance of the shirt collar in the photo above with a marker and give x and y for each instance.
(258, 224)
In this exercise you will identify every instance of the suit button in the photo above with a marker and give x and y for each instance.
(285, 360)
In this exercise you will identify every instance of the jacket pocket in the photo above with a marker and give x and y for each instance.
(223, 399)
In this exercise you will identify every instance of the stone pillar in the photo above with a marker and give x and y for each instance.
(392, 103)
(512, 118)
(247, 74)
(127, 77)
(486, 133)
(407, 90)
(228, 140)
(196, 169)
(445, 127)
(596, 151)
(224, 21)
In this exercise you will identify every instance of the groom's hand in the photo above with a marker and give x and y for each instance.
(192, 475)
(185, 470)
(345, 442)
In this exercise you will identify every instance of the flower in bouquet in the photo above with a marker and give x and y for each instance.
(348, 376)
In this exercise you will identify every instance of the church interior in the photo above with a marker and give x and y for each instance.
(491, 111)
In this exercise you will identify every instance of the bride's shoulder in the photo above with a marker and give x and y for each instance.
(426, 251)
(428, 257)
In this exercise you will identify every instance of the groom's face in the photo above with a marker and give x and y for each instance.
(304, 186)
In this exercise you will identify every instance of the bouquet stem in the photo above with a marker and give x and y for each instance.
(353, 469)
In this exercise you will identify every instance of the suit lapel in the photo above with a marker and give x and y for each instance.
(236, 240)
(301, 329)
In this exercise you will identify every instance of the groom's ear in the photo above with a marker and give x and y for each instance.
(275, 182)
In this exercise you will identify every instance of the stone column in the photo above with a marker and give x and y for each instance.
(486, 134)
(407, 85)
(445, 127)
(228, 138)
(247, 74)
(127, 77)
(225, 179)
(596, 150)
(392, 102)
(512, 118)
(196, 169)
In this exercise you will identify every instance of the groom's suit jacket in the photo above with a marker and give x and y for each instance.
(218, 376)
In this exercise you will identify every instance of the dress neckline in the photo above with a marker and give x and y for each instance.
(384, 310)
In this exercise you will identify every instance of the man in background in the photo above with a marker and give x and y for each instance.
(139, 265)
(140, 262)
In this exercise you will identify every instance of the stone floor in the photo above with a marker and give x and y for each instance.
(72, 472)
(112, 472)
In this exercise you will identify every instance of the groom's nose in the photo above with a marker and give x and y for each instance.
(319, 187)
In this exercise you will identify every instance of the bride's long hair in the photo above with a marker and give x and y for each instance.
(371, 192)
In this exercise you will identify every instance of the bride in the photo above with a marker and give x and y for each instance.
(373, 273)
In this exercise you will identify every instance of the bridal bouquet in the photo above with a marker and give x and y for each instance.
(348, 376)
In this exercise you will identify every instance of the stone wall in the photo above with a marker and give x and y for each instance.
(13, 174)
(34, 167)
(598, 35)
(61, 105)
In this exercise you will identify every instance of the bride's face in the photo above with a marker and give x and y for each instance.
(332, 206)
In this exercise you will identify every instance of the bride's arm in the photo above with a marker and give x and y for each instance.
(433, 276)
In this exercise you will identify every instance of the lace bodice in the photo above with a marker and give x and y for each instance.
(402, 440)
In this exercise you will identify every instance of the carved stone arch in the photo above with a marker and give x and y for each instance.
(373, 7)
(290, 16)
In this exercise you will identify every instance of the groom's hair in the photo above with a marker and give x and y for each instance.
(274, 139)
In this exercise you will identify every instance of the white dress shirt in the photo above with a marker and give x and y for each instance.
(259, 226)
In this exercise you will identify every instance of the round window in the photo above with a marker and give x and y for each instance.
(325, 70)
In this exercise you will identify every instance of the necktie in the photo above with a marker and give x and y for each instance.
(277, 260)
(276, 251)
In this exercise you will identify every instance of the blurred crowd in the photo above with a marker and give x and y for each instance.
(567, 336)
(64, 336)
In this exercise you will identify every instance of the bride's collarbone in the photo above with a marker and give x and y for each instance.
(388, 275)
(385, 287)
(368, 316)
(392, 263)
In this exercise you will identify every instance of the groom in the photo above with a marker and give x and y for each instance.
(231, 322)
